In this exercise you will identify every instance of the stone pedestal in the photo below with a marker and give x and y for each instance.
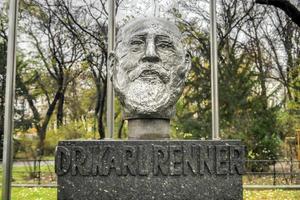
(149, 169)
(148, 129)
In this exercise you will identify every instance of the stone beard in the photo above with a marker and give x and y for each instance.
(149, 68)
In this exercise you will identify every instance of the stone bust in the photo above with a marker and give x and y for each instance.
(150, 67)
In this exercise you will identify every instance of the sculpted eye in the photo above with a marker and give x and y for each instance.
(136, 42)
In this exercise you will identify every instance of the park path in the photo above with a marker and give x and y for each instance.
(30, 162)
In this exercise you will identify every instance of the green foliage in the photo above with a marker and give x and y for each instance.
(73, 130)
(244, 113)
(26, 147)
(262, 138)
(289, 120)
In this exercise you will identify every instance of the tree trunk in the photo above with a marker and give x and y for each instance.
(60, 109)
(101, 129)
(288, 45)
(1, 115)
(121, 129)
(260, 66)
(42, 130)
(2, 99)
(3, 47)
(290, 10)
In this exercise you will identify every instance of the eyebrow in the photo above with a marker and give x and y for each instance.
(139, 36)
(164, 37)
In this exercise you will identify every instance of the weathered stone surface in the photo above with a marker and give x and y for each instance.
(148, 129)
(142, 170)
(150, 66)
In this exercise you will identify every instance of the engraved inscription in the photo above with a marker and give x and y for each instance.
(78, 156)
(62, 160)
(129, 160)
(207, 159)
(237, 155)
(98, 153)
(160, 155)
(150, 160)
(112, 162)
(176, 160)
(222, 161)
(143, 163)
(190, 159)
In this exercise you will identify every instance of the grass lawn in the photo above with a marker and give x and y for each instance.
(50, 194)
(33, 194)
(272, 194)
(21, 174)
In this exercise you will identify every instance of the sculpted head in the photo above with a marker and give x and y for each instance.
(149, 68)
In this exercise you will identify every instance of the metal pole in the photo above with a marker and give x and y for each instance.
(214, 70)
(274, 173)
(110, 91)
(9, 101)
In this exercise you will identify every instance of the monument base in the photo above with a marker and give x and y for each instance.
(148, 129)
(150, 169)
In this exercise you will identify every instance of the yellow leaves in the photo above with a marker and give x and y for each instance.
(206, 65)
(271, 194)
(242, 69)
(34, 9)
(84, 65)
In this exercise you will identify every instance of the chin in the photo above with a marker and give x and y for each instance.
(146, 99)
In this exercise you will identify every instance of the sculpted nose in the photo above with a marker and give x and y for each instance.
(150, 53)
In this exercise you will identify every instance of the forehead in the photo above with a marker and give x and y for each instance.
(153, 26)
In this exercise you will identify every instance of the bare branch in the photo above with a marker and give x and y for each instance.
(286, 6)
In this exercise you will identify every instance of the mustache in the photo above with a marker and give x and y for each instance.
(148, 69)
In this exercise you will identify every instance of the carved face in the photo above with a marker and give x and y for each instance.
(150, 68)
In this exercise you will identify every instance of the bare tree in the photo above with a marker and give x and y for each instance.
(290, 9)
(3, 48)
(59, 55)
(284, 51)
(87, 21)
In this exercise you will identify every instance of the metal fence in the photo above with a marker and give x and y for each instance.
(272, 172)
(257, 172)
(33, 172)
